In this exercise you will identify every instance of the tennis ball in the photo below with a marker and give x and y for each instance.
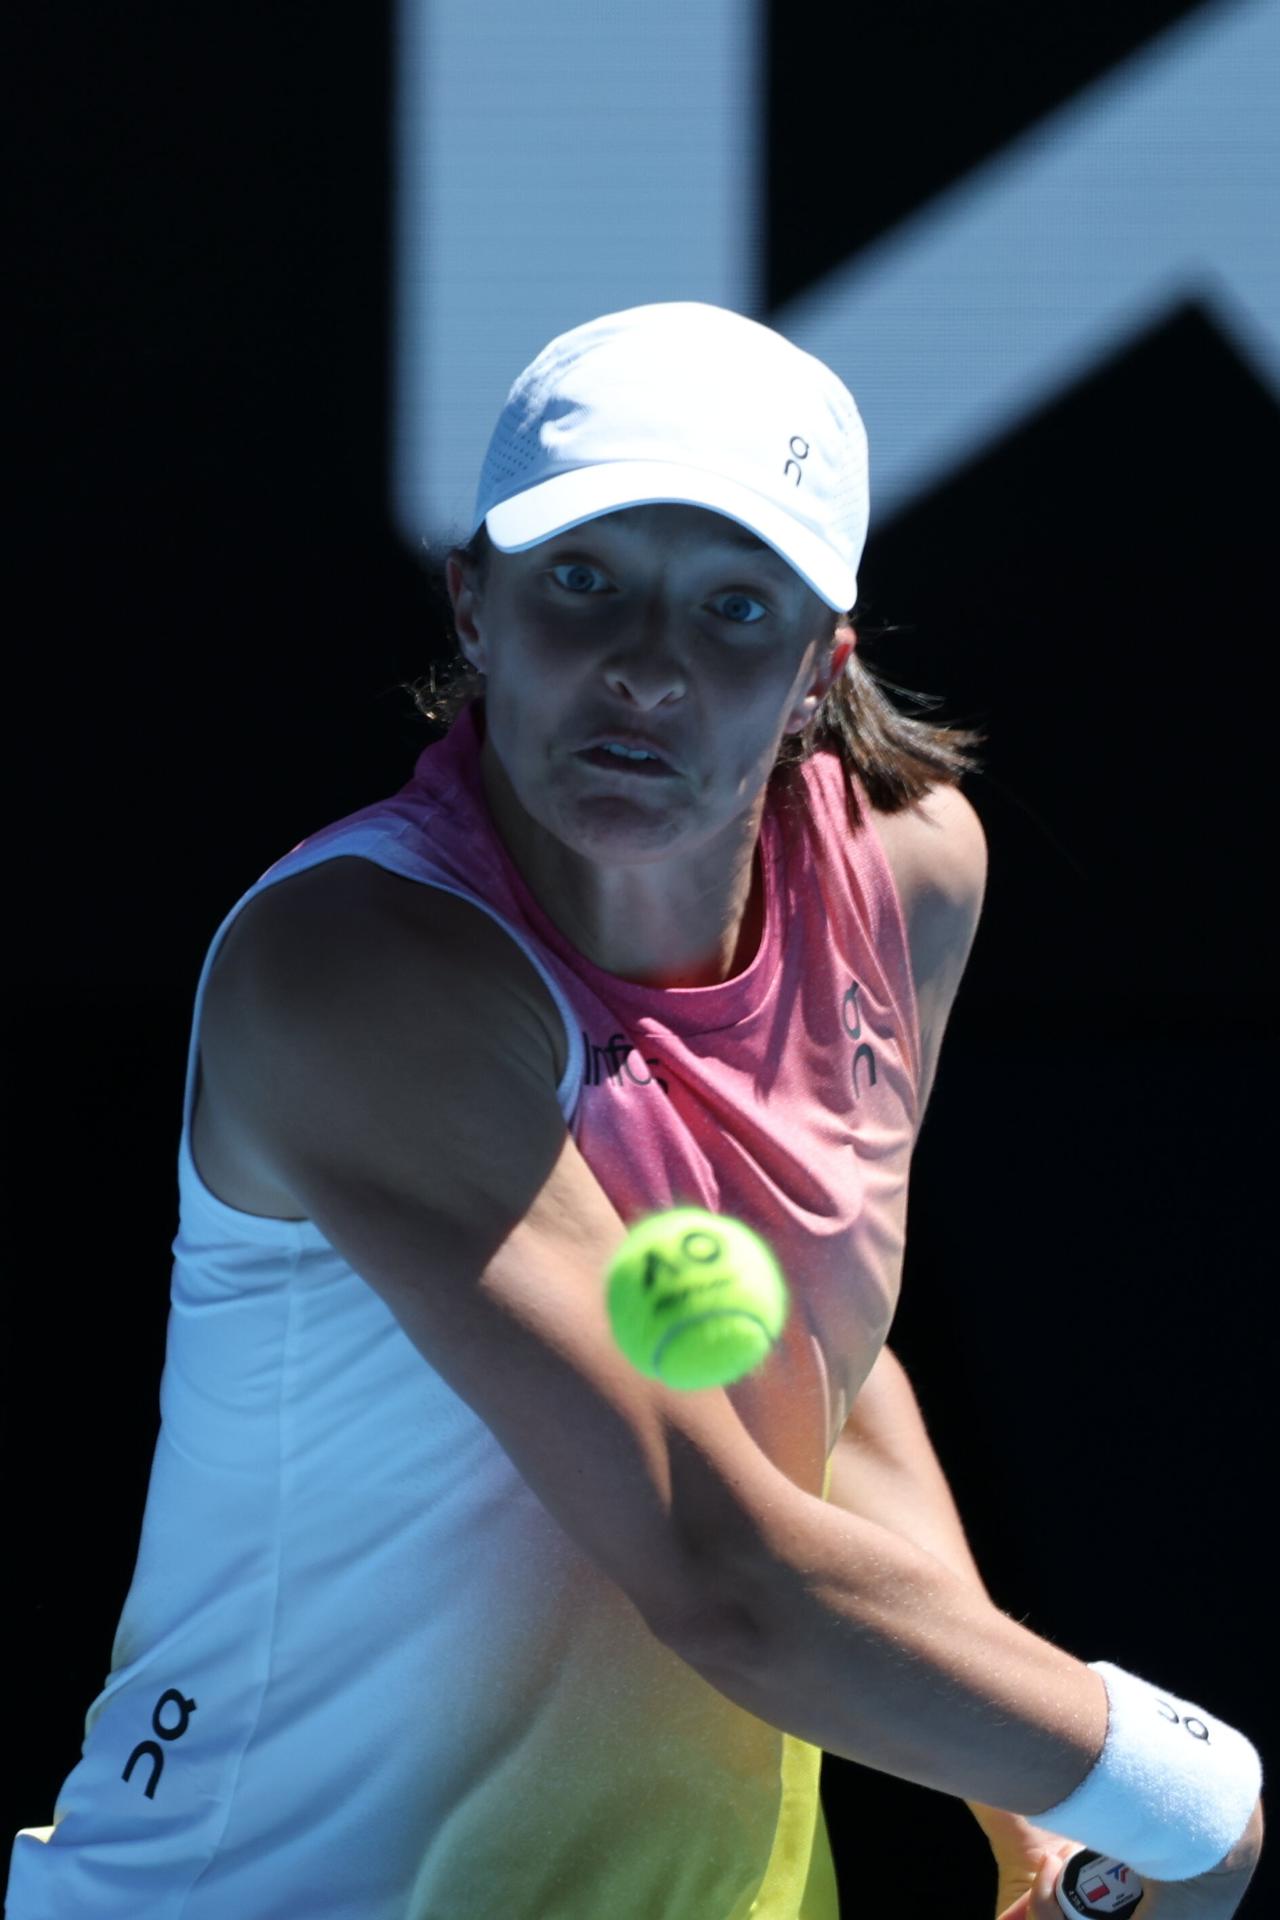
(695, 1299)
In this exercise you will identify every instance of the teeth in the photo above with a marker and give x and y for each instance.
(631, 753)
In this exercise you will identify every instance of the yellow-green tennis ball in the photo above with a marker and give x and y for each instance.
(695, 1299)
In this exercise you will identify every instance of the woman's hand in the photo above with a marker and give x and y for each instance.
(1040, 1902)
(1030, 1860)
(1019, 1846)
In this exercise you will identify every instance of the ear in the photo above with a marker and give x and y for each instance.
(465, 600)
(844, 642)
(831, 665)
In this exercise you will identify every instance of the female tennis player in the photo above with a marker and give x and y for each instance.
(440, 1607)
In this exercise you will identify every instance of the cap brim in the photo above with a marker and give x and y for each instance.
(584, 493)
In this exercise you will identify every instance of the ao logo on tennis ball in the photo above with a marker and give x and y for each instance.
(695, 1299)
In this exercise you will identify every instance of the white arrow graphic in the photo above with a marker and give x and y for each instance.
(1157, 185)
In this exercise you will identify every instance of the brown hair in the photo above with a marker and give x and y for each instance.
(897, 758)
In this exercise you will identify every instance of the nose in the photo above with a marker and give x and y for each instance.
(649, 665)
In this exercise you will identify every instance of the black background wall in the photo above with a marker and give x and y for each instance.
(207, 649)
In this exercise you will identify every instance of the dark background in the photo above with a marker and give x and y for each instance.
(207, 645)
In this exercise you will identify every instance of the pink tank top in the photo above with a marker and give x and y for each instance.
(785, 1096)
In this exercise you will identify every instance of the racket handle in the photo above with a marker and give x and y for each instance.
(1095, 1883)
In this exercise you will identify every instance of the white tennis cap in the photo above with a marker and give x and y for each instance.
(686, 402)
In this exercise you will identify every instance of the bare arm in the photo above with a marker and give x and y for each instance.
(884, 1468)
(850, 1637)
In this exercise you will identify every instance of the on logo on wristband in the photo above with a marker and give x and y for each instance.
(1194, 1726)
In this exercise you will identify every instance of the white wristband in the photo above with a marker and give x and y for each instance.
(1172, 1790)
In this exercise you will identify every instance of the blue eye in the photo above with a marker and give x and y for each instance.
(752, 602)
(570, 566)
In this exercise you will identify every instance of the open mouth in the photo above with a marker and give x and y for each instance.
(611, 762)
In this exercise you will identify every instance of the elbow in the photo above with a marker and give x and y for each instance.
(713, 1634)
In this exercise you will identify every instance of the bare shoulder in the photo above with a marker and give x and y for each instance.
(348, 923)
(937, 850)
(956, 843)
(938, 847)
(351, 883)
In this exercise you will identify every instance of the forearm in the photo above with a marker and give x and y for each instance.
(873, 1635)
(853, 1639)
(884, 1468)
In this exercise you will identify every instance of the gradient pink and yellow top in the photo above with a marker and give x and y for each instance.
(361, 1673)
